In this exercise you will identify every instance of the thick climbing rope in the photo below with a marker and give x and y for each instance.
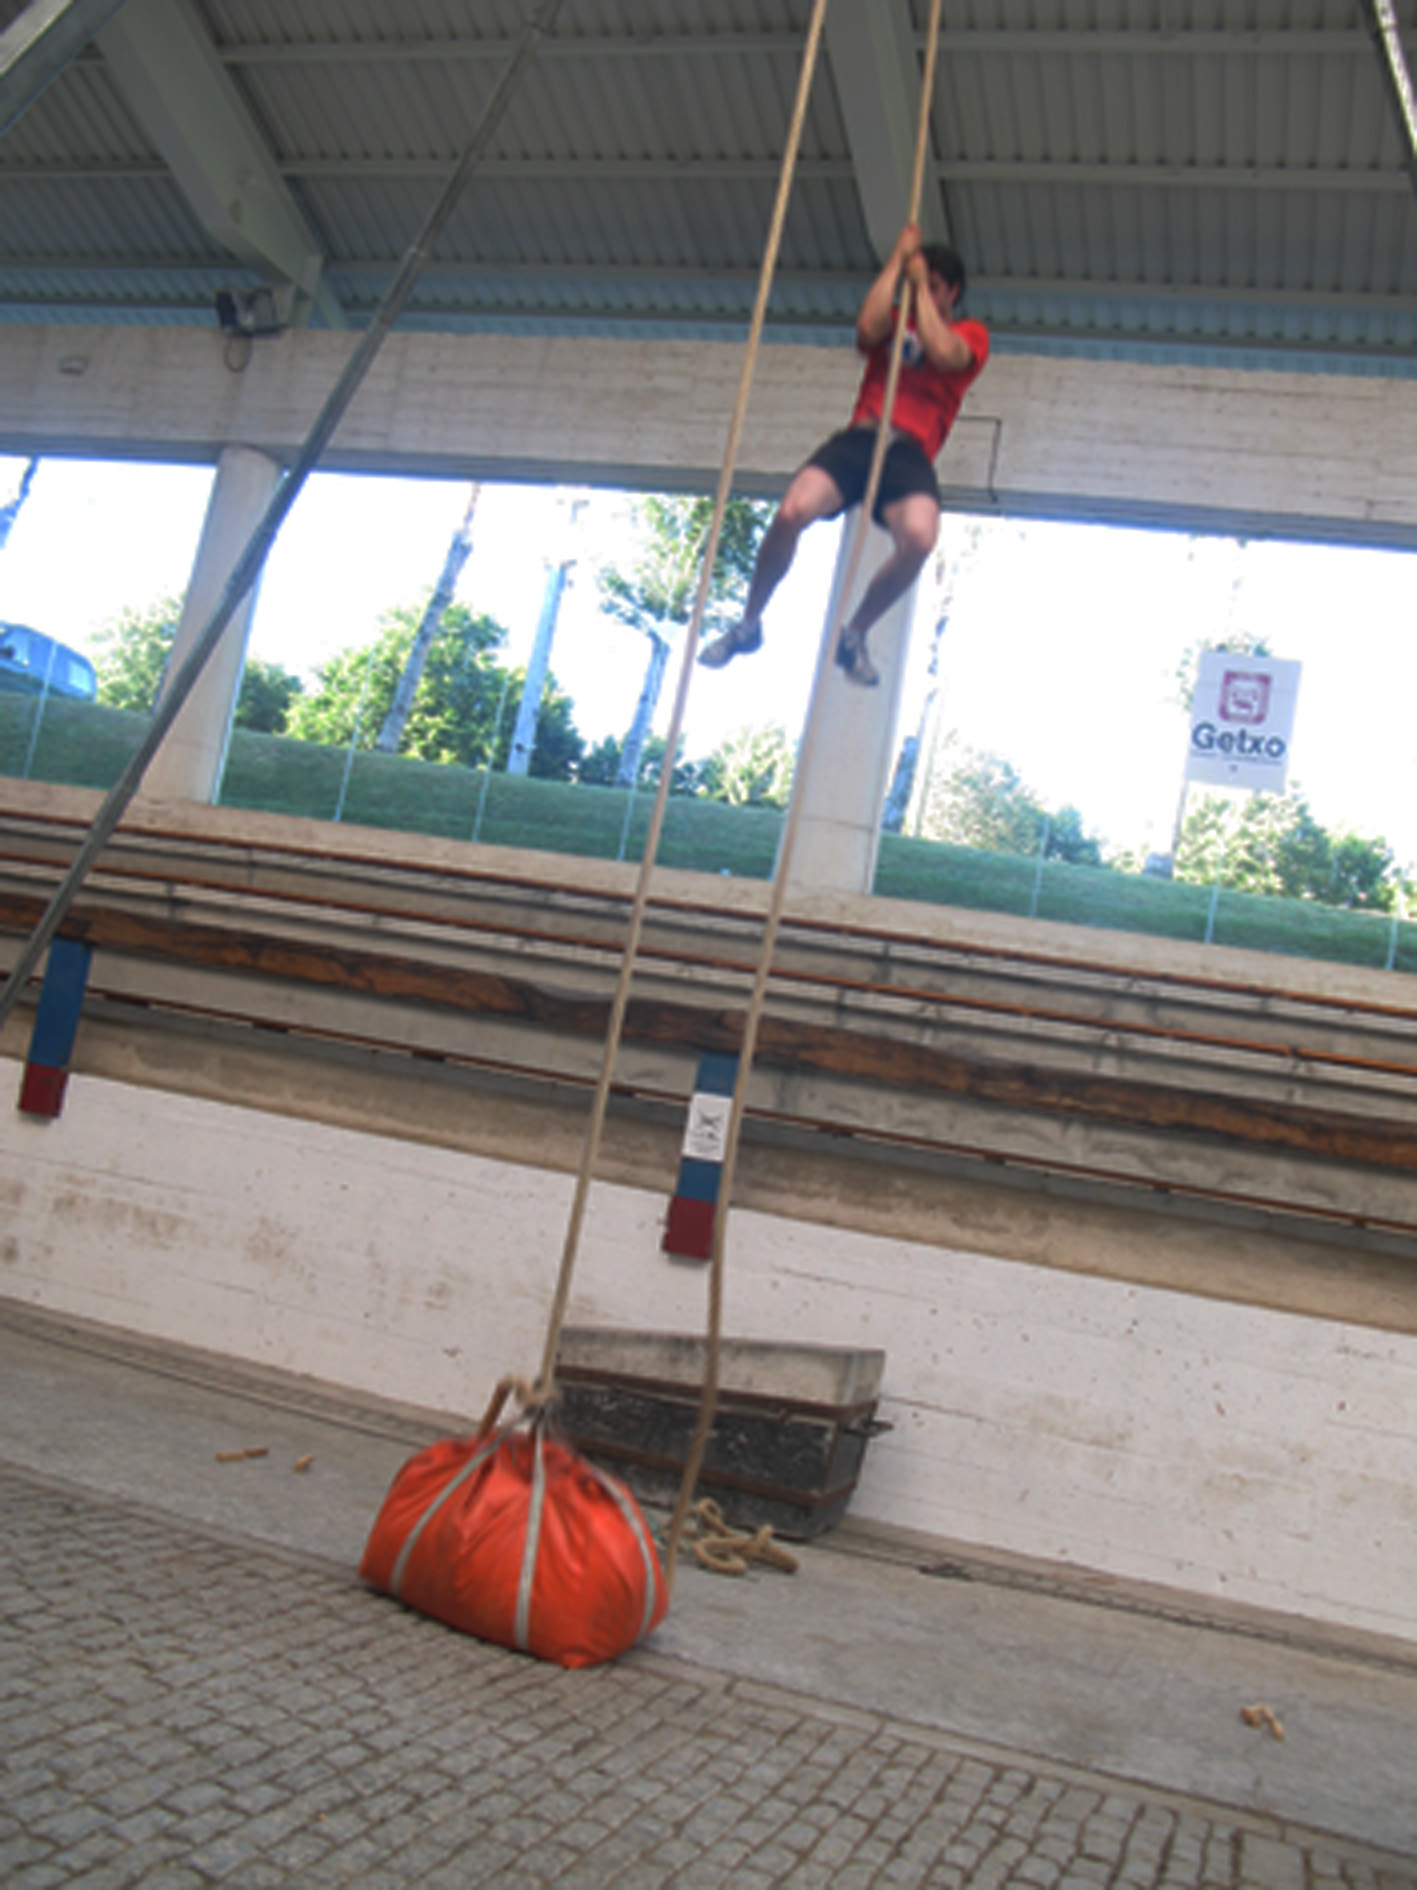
(699, 1442)
(528, 1398)
(258, 546)
(724, 1551)
(595, 1128)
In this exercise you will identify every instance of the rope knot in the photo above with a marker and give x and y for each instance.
(532, 1396)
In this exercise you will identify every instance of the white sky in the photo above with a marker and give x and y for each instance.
(1060, 655)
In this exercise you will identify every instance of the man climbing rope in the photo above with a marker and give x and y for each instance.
(941, 360)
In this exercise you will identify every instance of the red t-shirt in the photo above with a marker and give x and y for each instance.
(926, 398)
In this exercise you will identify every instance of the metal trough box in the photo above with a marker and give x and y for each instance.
(790, 1427)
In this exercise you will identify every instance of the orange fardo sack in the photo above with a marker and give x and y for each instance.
(515, 1538)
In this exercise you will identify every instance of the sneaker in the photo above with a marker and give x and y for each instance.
(851, 656)
(741, 640)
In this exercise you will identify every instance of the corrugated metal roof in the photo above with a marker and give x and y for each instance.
(1172, 179)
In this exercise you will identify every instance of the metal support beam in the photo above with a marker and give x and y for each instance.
(37, 46)
(611, 172)
(172, 78)
(1078, 175)
(1173, 44)
(876, 69)
(1382, 24)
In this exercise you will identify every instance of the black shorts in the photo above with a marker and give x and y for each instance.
(846, 460)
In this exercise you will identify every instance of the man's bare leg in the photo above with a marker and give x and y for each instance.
(812, 495)
(914, 525)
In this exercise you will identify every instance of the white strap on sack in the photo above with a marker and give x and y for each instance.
(641, 1537)
(535, 1511)
(473, 1464)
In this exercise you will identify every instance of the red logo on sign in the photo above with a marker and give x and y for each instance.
(1244, 696)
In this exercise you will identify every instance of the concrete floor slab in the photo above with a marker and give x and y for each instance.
(1034, 1678)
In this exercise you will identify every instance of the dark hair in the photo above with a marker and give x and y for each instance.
(943, 261)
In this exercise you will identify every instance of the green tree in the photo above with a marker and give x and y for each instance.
(559, 747)
(656, 595)
(600, 766)
(983, 801)
(266, 697)
(752, 767)
(131, 654)
(431, 622)
(1278, 848)
(1069, 840)
(1203, 846)
(459, 711)
(1365, 875)
(353, 689)
(131, 658)
(1273, 844)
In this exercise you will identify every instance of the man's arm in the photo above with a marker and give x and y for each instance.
(876, 316)
(945, 347)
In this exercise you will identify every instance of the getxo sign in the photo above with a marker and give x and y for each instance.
(1242, 721)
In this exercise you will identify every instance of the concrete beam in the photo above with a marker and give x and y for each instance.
(173, 79)
(876, 70)
(193, 753)
(1311, 457)
(839, 832)
(39, 44)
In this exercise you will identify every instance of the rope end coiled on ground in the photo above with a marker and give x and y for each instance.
(724, 1551)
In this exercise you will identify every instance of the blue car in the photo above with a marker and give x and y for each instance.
(30, 661)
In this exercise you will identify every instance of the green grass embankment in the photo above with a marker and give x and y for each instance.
(83, 745)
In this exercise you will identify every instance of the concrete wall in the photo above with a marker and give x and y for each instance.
(1312, 456)
(1231, 1450)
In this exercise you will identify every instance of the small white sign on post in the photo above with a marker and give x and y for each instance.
(1242, 721)
(706, 1131)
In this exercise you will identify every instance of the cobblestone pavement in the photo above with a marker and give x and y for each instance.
(180, 1708)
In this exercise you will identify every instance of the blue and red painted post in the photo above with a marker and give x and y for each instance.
(56, 1023)
(689, 1225)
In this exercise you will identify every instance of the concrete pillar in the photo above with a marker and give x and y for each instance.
(843, 789)
(189, 763)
